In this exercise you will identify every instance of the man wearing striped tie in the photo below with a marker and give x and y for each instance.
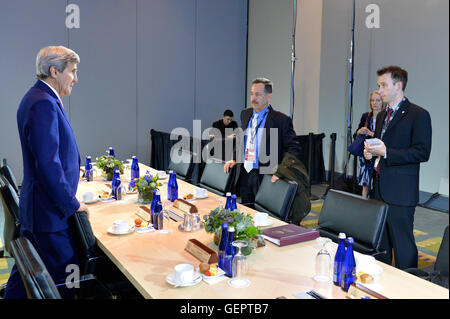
(269, 134)
(404, 133)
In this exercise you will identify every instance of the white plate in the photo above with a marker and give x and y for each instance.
(171, 280)
(220, 272)
(95, 200)
(200, 197)
(111, 231)
(269, 222)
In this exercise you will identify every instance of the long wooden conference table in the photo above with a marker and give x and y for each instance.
(147, 258)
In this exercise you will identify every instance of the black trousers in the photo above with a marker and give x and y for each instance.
(249, 183)
(399, 233)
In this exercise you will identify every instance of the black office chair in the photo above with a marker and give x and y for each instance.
(7, 172)
(37, 280)
(10, 203)
(275, 198)
(358, 217)
(185, 167)
(94, 262)
(439, 274)
(215, 180)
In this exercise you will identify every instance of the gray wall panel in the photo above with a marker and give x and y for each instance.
(166, 68)
(103, 102)
(220, 48)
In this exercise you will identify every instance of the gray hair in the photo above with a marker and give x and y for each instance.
(268, 85)
(57, 56)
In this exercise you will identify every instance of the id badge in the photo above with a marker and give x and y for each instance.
(250, 155)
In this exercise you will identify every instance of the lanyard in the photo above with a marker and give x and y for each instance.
(253, 133)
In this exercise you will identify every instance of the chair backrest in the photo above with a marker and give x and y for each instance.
(37, 281)
(86, 243)
(275, 198)
(358, 217)
(7, 172)
(183, 165)
(10, 203)
(441, 263)
(214, 179)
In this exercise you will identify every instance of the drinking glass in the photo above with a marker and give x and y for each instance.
(221, 200)
(323, 263)
(166, 216)
(239, 266)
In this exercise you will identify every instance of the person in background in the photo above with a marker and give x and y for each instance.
(225, 123)
(367, 127)
(51, 164)
(404, 133)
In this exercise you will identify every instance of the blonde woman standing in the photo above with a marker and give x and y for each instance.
(367, 127)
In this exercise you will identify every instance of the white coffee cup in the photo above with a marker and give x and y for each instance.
(200, 192)
(261, 218)
(87, 197)
(184, 273)
(120, 226)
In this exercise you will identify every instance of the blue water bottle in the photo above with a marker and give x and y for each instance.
(233, 206)
(88, 173)
(174, 188)
(222, 244)
(135, 168)
(156, 197)
(338, 260)
(349, 266)
(169, 186)
(230, 251)
(228, 202)
(111, 152)
(116, 175)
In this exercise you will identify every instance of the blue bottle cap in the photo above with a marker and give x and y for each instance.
(350, 240)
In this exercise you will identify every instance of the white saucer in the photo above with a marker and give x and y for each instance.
(111, 231)
(170, 278)
(220, 273)
(200, 197)
(269, 222)
(95, 200)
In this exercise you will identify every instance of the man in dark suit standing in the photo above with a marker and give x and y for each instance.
(51, 164)
(405, 133)
(268, 135)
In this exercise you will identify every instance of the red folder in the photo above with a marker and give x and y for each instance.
(289, 234)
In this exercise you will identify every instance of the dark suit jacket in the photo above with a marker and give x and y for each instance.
(408, 143)
(51, 162)
(286, 141)
(221, 127)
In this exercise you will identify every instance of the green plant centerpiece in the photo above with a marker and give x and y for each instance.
(242, 223)
(145, 186)
(107, 164)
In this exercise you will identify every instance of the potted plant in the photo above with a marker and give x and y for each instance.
(243, 225)
(145, 186)
(107, 164)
